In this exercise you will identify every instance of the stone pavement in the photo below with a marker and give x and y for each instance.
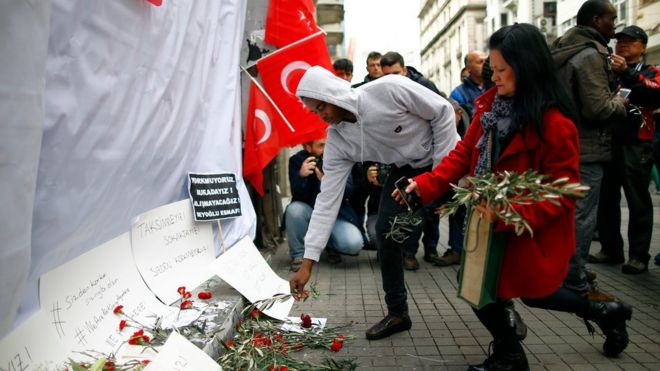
(446, 334)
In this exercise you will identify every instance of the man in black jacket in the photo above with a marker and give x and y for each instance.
(305, 174)
(585, 68)
(632, 160)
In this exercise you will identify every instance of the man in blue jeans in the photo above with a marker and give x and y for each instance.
(305, 174)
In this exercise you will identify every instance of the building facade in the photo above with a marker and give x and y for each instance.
(449, 29)
(330, 17)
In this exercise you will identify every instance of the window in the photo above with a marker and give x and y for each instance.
(504, 19)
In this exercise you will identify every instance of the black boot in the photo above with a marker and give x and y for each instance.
(501, 360)
(611, 318)
(515, 321)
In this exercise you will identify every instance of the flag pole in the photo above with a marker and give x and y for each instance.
(222, 237)
(269, 99)
(320, 32)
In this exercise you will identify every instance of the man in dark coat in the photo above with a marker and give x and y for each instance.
(585, 68)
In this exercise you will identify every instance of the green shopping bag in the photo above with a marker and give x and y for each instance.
(481, 261)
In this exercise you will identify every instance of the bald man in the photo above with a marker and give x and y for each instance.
(473, 85)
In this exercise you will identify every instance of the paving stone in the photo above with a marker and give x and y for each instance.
(446, 335)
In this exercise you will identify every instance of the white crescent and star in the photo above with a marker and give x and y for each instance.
(286, 71)
(261, 115)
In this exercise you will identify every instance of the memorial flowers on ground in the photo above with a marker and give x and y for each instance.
(259, 343)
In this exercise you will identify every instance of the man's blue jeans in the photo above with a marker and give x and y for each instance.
(345, 238)
(586, 214)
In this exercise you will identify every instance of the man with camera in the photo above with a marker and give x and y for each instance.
(632, 159)
(392, 120)
(305, 174)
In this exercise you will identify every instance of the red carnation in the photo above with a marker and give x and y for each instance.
(146, 362)
(122, 324)
(181, 290)
(255, 313)
(109, 366)
(118, 309)
(187, 294)
(229, 343)
(204, 295)
(336, 345)
(306, 321)
(284, 368)
(138, 338)
(186, 304)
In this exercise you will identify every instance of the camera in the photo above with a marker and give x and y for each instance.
(412, 200)
(319, 163)
(382, 172)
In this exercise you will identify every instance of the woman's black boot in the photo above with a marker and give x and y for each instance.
(508, 357)
(611, 317)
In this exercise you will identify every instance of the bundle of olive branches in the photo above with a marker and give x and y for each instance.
(505, 189)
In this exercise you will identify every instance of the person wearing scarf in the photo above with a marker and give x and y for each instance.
(525, 122)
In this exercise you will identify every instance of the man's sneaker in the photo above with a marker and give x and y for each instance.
(410, 263)
(450, 257)
(634, 266)
(333, 257)
(430, 257)
(389, 325)
(296, 263)
(602, 258)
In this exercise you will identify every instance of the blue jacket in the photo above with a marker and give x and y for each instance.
(466, 93)
(306, 189)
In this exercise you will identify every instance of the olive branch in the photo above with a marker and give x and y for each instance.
(504, 190)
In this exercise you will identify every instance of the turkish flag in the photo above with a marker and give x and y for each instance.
(281, 72)
(265, 127)
(156, 2)
(288, 21)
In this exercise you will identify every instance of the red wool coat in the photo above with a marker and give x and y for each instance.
(533, 267)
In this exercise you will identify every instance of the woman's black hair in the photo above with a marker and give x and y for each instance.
(537, 84)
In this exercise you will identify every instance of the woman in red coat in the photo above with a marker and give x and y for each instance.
(530, 122)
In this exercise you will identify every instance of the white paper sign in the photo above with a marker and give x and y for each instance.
(33, 346)
(171, 249)
(245, 269)
(80, 295)
(178, 354)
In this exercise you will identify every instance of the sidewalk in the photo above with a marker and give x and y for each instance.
(446, 334)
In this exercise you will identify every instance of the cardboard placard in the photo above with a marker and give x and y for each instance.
(243, 267)
(179, 354)
(214, 196)
(80, 296)
(171, 249)
(33, 346)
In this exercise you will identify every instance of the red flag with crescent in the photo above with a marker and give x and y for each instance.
(264, 130)
(281, 72)
(288, 21)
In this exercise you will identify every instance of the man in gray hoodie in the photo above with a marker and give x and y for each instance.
(392, 120)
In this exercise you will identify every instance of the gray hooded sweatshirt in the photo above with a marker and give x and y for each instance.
(399, 122)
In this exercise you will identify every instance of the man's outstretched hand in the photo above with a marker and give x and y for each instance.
(300, 279)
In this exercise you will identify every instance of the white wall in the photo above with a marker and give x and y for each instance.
(135, 97)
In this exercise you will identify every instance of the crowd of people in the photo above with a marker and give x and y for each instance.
(575, 109)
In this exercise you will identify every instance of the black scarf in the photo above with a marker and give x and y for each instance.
(499, 119)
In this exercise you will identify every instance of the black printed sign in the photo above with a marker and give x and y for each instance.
(214, 196)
